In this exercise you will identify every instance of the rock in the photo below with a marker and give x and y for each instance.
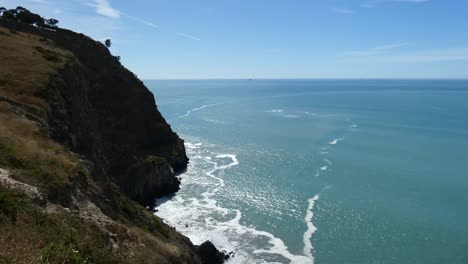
(209, 254)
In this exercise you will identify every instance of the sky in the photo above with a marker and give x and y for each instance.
(211, 39)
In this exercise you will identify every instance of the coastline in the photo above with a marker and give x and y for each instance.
(195, 212)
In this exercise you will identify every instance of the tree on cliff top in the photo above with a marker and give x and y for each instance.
(23, 15)
(52, 22)
(108, 43)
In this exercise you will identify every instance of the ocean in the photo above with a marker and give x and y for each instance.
(322, 171)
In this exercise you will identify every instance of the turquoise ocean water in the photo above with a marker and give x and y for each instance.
(322, 171)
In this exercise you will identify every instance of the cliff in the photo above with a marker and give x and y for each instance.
(83, 149)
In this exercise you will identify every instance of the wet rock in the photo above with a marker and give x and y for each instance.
(209, 254)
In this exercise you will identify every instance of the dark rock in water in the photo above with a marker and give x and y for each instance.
(230, 255)
(209, 254)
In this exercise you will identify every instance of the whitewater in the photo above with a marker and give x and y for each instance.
(196, 216)
(324, 171)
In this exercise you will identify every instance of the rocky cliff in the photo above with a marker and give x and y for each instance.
(84, 135)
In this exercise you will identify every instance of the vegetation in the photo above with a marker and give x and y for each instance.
(32, 232)
(131, 213)
(36, 159)
(35, 61)
(108, 43)
(27, 235)
(23, 87)
(23, 15)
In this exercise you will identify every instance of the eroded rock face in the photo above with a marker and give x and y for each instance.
(103, 112)
(149, 178)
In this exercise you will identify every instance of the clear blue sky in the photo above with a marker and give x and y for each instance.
(175, 39)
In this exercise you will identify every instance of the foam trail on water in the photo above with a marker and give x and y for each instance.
(193, 146)
(275, 111)
(324, 168)
(197, 109)
(195, 212)
(334, 142)
(308, 248)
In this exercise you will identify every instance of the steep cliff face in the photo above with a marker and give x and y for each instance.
(102, 111)
(83, 135)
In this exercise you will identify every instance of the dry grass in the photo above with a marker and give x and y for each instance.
(40, 160)
(26, 65)
(28, 235)
(36, 237)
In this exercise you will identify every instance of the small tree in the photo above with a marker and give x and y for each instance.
(23, 15)
(52, 22)
(2, 9)
(108, 43)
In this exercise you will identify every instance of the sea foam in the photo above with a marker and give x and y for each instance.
(334, 142)
(201, 218)
(310, 228)
(275, 111)
(189, 112)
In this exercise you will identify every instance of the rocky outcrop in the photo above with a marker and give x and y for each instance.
(150, 177)
(210, 255)
(102, 111)
(106, 119)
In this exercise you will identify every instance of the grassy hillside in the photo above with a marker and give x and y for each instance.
(28, 63)
(60, 202)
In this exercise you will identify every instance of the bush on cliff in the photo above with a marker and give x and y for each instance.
(23, 15)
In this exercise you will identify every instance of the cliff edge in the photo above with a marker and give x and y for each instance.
(83, 151)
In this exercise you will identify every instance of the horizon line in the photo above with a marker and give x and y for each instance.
(307, 78)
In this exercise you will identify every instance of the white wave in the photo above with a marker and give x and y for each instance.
(192, 146)
(200, 218)
(328, 161)
(282, 113)
(311, 114)
(353, 126)
(275, 111)
(324, 168)
(308, 248)
(197, 109)
(334, 142)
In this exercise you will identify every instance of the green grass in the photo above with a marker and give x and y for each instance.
(34, 157)
(27, 235)
(28, 63)
(133, 214)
